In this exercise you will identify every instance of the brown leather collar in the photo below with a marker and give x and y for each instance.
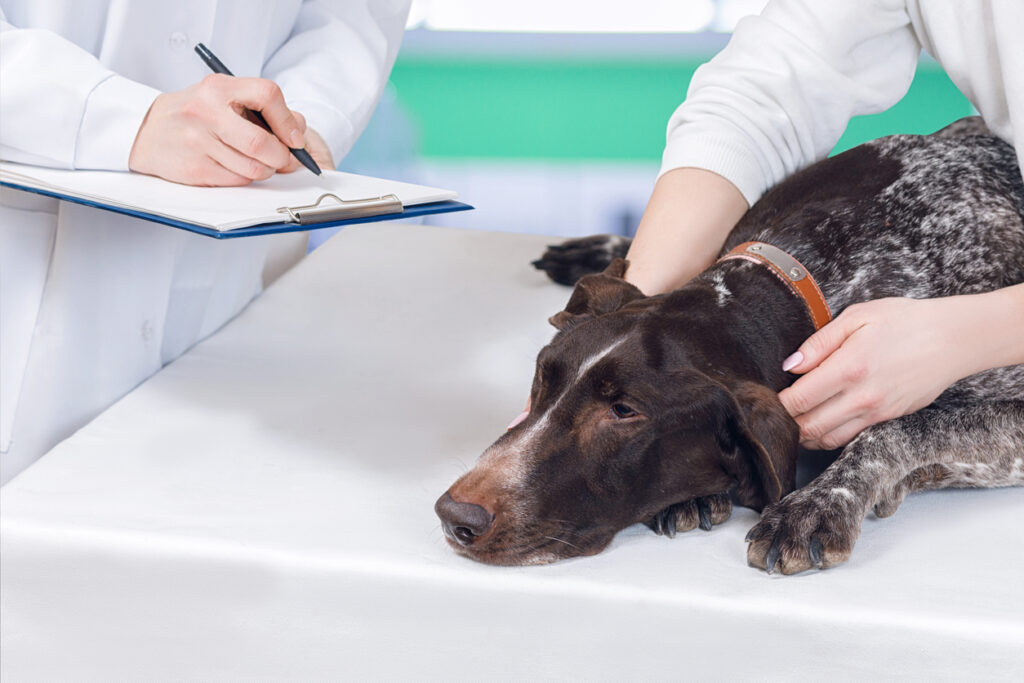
(791, 272)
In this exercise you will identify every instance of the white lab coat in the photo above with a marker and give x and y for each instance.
(92, 303)
(780, 95)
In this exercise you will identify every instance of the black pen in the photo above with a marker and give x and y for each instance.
(218, 67)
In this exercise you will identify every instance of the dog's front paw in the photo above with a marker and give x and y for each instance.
(567, 262)
(807, 529)
(703, 512)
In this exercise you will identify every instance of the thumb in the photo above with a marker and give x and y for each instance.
(821, 344)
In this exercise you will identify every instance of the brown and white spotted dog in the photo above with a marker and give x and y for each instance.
(664, 409)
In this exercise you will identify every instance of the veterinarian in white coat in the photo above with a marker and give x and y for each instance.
(92, 303)
(777, 99)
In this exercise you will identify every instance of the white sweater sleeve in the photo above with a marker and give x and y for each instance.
(334, 66)
(779, 96)
(59, 106)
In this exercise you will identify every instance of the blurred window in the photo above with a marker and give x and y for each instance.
(582, 16)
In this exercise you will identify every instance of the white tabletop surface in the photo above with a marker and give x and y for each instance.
(262, 509)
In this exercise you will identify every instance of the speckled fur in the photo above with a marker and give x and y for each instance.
(944, 445)
(949, 222)
(908, 216)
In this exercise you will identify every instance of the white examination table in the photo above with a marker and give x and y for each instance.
(262, 510)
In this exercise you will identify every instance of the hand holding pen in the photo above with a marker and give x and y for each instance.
(297, 150)
(200, 135)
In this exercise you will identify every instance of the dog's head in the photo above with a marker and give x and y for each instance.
(629, 415)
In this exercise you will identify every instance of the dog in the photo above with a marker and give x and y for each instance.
(664, 410)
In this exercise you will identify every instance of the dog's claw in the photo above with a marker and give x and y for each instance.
(772, 558)
(689, 514)
(756, 533)
(657, 523)
(670, 517)
(654, 524)
(815, 550)
(704, 514)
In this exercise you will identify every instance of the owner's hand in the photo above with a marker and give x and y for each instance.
(876, 361)
(200, 136)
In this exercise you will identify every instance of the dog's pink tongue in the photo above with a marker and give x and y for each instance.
(522, 416)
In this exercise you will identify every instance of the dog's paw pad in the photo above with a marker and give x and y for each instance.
(804, 531)
(703, 512)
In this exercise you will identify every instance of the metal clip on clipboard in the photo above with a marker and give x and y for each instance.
(343, 209)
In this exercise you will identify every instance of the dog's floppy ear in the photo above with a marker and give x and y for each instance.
(597, 294)
(760, 445)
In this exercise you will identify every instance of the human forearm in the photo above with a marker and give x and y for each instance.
(987, 330)
(687, 219)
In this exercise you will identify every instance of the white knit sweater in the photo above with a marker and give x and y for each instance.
(779, 96)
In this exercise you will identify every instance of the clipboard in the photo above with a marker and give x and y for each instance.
(198, 209)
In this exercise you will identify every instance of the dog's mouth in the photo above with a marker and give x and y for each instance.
(526, 551)
(511, 539)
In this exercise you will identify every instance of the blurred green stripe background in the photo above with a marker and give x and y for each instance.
(586, 110)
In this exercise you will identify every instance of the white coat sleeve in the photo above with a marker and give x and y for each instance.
(780, 94)
(60, 107)
(333, 67)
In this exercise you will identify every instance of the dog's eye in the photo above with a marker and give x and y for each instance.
(622, 411)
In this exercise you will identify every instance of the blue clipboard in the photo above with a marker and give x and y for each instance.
(298, 219)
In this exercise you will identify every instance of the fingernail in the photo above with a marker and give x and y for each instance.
(792, 361)
(519, 418)
(296, 137)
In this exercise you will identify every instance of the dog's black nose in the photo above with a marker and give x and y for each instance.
(462, 522)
